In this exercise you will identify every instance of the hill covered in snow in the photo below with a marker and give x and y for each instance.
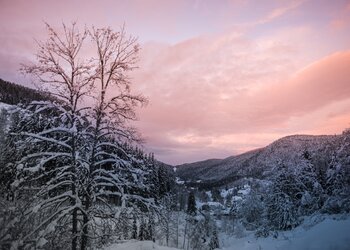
(316, 233)
(329, 233)
(260, 162)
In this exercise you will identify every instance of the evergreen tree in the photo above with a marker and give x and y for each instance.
(3, 161)
(251, 210)
(312, 191)
(163, 181)
(134, 229)
(281, 200)
(338, 178)
(214, 241)
(151, 229)
(143, 235)
(217, 195)
(191, 204)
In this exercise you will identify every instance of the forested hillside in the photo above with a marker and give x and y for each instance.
(259, 163)
(276, 187)
(12, 93)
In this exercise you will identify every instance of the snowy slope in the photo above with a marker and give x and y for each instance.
(6, 106)
(258, 163)
(327, 235)
(137, 245)
(331, 233)
(4, 123)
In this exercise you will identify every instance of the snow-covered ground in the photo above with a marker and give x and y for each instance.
(6, 106)
(179, 181)
(329, 234)
(137, 245)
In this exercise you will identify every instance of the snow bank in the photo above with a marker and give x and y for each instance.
(179, 181)
(6, 106)
(137, 245)
(327, 235)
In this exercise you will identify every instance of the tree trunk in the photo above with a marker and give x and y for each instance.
(85, 236)
(177, 230)
(75, 229)
(183, 246)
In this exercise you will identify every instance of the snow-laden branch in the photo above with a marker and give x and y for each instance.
(46, 139)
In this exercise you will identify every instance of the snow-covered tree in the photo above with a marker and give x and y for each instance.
(4, 150)
(55, 163)
(281, 200)
(251, 210)
(134, 229)
(337, 178)
(214, 241)
(77, 159)
(312, 194)
(3, 124)
(191, 204)
(168, 224)
(111, 170)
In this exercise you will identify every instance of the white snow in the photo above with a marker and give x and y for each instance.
(137, 245)
(6, 106)
(326, 235)
(215, 204)
(9, 109)
(237, 198)
(36, 208)
(179, 181)
(331, 233)
(245, 190)
(210, 196)
(41, 242)
(224, 193)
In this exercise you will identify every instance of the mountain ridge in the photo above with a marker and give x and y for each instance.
(258, 163)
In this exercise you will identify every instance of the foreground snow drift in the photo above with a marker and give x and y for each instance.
(326, 235)
(6, 106)
(137, 245)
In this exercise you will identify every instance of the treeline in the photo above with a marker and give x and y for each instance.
(35, 185)
(13, 94)
(294, 189)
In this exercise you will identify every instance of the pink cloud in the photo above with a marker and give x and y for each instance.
(319, 84)
(208, 92)
(341, 20)
(280, 11)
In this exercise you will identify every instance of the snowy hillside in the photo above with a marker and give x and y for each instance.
(258, 163)
(5, 110)
(137, 245)
(330, 233)
(5, 106)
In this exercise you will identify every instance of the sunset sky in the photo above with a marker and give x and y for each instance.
(222, 76)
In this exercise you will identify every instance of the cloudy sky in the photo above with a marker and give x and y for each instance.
(222, 76)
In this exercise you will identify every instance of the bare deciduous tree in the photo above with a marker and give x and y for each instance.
(114, 107)
(69, 78)
(77, 160)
